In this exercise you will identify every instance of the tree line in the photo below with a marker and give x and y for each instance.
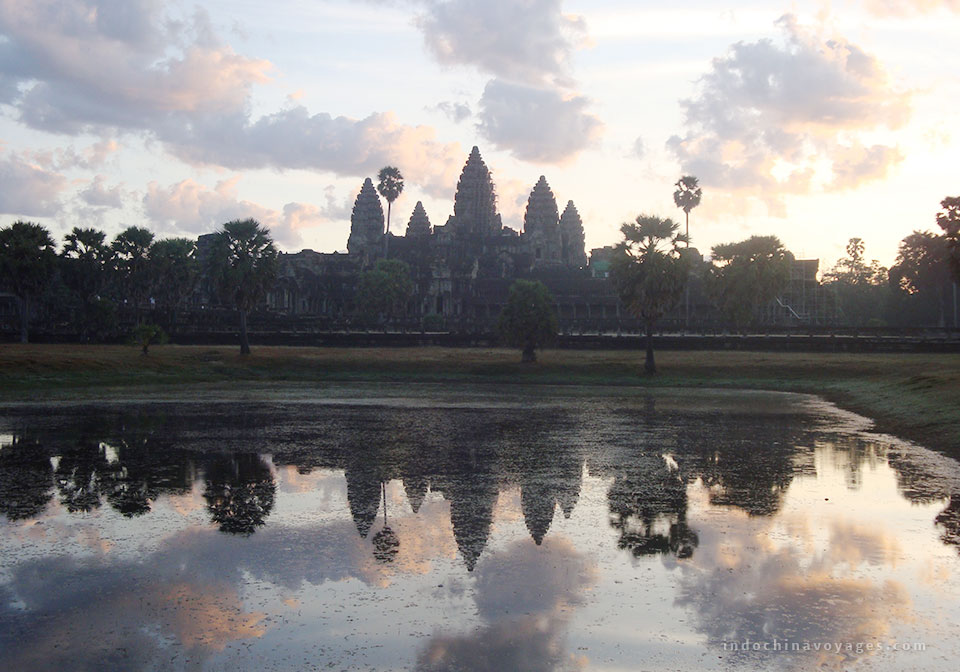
(653, 266)
(95, 284)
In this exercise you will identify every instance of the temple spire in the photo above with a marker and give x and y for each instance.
(541, 224)
(475, 203)
(366, 222)
(573, 249)
(419, 224)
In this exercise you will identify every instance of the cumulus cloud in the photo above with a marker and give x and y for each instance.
(907, 7)
(189, 207)
(66, 158)
(28, 188)
(456, 112)
(639, 148)
(536, 124)
(531, 107)
(90, 63)
(97, 194)
(100, 66)
(768, 117)
(529, 41)
(293, 138)
(526, 606)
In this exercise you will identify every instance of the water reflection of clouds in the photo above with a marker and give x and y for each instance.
(766, 579)
(117, 616)
(773, 558)
(188, 589)
(526, 603)
(781, 595)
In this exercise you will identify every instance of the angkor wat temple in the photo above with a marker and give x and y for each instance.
(462, 269)
(461, 272)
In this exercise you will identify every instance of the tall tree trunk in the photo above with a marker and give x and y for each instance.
(687, 213)
(529, 352)
(24, 317)
(386, 236)
(244, 342)
(649, 365)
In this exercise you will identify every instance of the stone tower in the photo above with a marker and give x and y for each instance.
(366, 223)
(572, 246)
(419, 224)
(475, 203)
(541, 225)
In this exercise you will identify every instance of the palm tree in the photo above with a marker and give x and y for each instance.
(175, 261)
(243, 265)
(649, 271)
(687, 196)
(131, 251)
(390, 187)
(27, 258)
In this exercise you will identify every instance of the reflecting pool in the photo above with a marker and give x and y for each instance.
(468, 528)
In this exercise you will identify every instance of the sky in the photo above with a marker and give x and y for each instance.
(812, 121)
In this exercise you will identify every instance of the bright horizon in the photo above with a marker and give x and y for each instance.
(812, 121)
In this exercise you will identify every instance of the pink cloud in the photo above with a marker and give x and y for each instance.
(191, 208)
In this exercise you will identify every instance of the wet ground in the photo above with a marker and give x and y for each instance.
(451, 527)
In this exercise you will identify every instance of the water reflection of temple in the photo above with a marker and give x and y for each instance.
(466, 456)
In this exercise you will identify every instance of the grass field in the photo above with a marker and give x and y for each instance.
(916, 396)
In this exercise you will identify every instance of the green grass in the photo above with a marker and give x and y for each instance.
(916, 396)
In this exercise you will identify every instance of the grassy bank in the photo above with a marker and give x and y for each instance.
(916, 396)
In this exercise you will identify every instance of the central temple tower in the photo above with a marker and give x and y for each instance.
(475, 203)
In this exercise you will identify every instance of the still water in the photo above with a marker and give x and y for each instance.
(469, 528)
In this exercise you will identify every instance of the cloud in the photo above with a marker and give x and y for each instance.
(456, 112)
(99, 195)
(536, 124)
(29, 189)
(773, 119)
(86, 64)
(68, 158)
(526, 605)
(527, 41)
(742, 586)
(908, 7)
(71, 66)
(531, 107)
(293, 138)
(639, 149)
(189, 207)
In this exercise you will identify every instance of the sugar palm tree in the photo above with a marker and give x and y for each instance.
(687, 197)
(27, 258)
(390, 187)
(243, 266)
(649, 272)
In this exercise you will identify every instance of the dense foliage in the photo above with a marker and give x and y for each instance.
(27, 257)
(529, 320)
(650, 272)
(242, 266)
(748, 275)
(101, 290)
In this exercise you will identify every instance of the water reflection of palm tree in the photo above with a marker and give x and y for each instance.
(26, 479)
(386, 545)
(949, 521)
(79, 474)
(642, 500)
(239, 491)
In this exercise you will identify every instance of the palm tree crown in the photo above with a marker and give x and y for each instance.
(687, 197)
(390, 186)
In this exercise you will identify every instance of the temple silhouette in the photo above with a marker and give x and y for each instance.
(461, 269)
